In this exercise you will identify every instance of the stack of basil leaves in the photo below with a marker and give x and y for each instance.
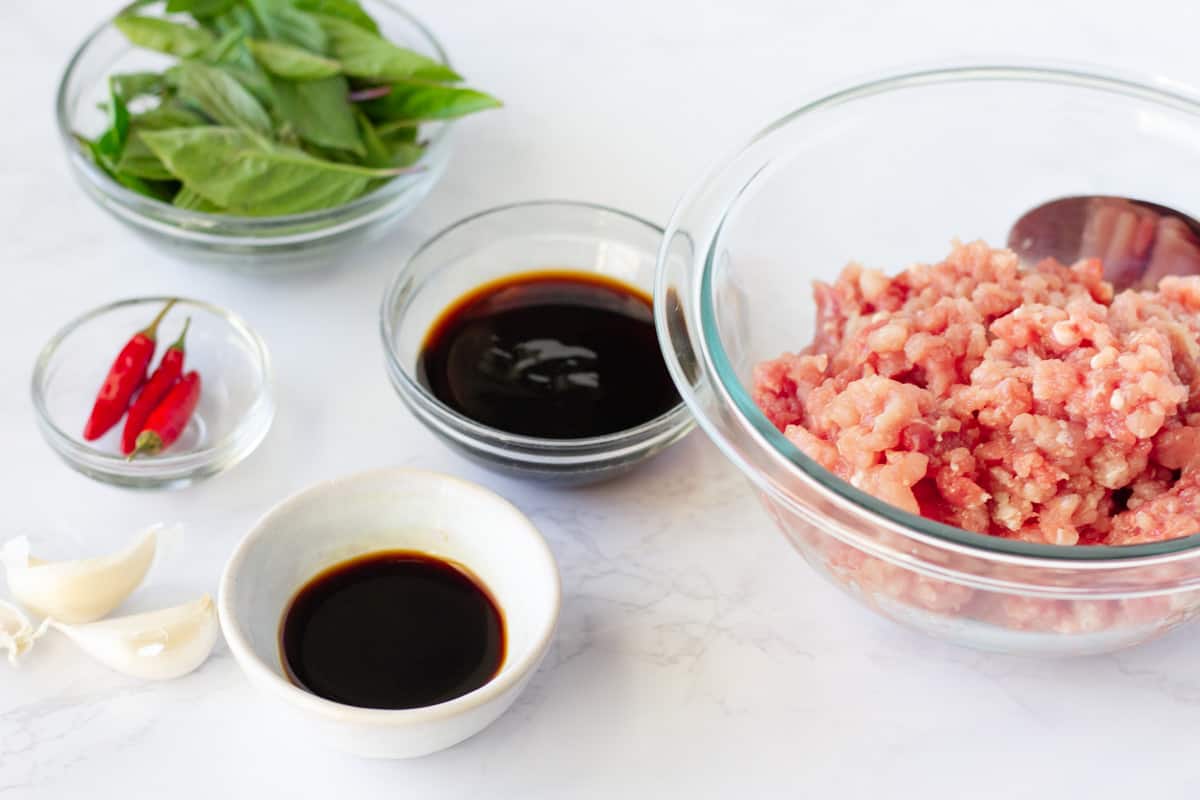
(274, 107)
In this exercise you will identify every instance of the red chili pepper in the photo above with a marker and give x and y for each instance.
(169, 419)
(164, 377)
(124, 377)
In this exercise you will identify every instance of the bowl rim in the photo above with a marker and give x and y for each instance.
(677, 417)
(509, 677)
(182, 218)
(167, 464)
(733, 394)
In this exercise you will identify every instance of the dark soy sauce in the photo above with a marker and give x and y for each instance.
(557, 355)
(395, 629)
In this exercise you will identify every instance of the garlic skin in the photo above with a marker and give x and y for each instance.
(82, 590)
(156, 645)
(17, 634)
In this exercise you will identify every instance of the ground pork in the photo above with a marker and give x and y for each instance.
(1027, 403)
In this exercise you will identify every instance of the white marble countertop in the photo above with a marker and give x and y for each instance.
(697, 655)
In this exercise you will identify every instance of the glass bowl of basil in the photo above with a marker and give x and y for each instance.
(260, 133)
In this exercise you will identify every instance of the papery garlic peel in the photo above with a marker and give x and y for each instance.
(156, 645)
(78, 591)
(16, 632)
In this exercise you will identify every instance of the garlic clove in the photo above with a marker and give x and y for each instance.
(77, 591)
(156, 645)
(16, 632)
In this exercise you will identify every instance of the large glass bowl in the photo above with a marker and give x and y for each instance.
(294, 241)
(887, 173)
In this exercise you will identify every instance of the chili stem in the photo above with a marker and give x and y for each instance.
(151, 331)
(148, 443)
(178, 343)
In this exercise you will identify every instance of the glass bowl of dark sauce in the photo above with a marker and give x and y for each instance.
(524, 338)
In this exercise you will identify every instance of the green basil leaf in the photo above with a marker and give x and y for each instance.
(155, 189)
(249, 175)
(377, 153)
(159, 190)
(112, 141)
(135, 84)
(91, 149)
(186, 198)
(286, 23)
(138, 160)
(398, 149)
(221, 97)
(287, 61)
(165, 36)
(254, 80)
(225, 48)
(242, 66)
(348, 10)
(416, 102)
(171, 114)
(366, 55)
(319, 112)
(200, 9)
(237, 18)
(134, 5)
(404, 154)
(399, 129)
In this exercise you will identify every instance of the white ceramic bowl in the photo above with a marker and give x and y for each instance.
(387, 510)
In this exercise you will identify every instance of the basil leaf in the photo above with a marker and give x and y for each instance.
(288, 24)
(319, 112)
(221, 97)
(167, 115)
(153, 189)
(348, 10)
(249, 175)
(254, 80)
(225, 48)
(237, 18)
(134, 5)
(112, 141)
(138, 160)
(186, 198)
(377, 153)
(91, 149)
(389, 149)
(200, 9)
(135, 84)
(287, 61)
(165, 36)
(404, 154)
(399, 129)
(159, 190)
(415, 102)
(366, 55)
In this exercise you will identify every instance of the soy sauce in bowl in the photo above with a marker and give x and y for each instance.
(393, 629)
(552, 354)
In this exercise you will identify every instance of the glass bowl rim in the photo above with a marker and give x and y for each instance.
(733, 394)
(78, 450)
(182, 217)
(677, 417)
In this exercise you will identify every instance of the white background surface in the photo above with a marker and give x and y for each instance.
(697, 655)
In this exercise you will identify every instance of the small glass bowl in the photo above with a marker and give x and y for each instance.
(290, 242)
(512, 240)
(232, 418)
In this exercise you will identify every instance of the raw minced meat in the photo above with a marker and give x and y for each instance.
(1028, 403)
